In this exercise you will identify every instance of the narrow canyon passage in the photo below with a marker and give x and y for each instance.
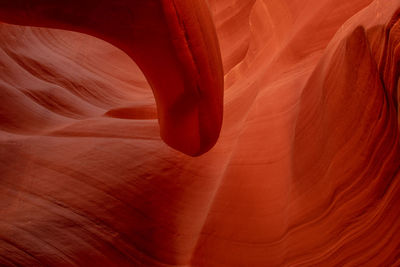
(304, 172)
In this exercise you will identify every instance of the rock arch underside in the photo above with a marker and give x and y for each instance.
(199, 133)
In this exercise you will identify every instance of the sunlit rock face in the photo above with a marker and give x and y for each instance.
(305, 171)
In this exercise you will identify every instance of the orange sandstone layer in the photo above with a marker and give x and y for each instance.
(305, 171)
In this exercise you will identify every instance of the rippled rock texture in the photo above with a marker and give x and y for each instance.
(305, 171)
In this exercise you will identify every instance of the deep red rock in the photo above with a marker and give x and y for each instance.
(174, 44)
(305, 171)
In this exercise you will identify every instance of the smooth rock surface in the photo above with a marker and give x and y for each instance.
(305, 171)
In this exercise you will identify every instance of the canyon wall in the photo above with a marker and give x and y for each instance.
(305, 171)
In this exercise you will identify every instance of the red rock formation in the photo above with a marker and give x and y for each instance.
(305, 172)
(173, 42)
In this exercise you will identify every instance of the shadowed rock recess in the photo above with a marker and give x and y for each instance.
(112, 151)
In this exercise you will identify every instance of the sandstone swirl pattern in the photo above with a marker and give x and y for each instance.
(305, 172)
